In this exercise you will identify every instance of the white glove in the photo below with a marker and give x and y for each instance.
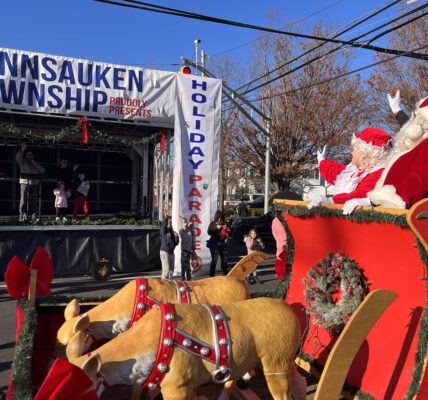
(317, 199)
(350, 205)
(321, 154)
(394, 102)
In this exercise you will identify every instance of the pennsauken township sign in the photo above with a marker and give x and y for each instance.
(50, 84)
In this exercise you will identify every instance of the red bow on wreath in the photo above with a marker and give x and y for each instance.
(17, 275)
(84, 123)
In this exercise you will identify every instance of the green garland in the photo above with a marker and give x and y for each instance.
(100, 221)
(359, 215)
(421, 350)
(21, 377)
(74, 132)
(282, 289)
(321, 280)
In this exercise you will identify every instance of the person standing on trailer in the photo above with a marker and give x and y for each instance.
(81, 189)
(61, 204)
(29, 181)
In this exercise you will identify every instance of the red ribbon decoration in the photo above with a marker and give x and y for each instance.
(162, 139)
(17, 275)
(84, 123)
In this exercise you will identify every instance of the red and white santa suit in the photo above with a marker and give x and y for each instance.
(351, 182)
(405, 180)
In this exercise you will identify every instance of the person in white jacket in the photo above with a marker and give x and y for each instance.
(61, 204)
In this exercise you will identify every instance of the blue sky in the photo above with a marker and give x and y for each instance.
(101, 32)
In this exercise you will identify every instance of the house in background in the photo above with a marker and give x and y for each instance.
(242, 183)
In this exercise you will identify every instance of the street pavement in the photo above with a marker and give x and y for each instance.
(86, 286)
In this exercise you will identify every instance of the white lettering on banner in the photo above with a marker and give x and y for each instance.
(196, 149)
(54, 84)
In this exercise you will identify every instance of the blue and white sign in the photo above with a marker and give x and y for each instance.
(49, 84)
(196, 154)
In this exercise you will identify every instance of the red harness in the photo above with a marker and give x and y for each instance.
(143, 302)
(170, 336)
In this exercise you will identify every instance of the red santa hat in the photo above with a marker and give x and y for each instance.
(375, 137)
(424, 102)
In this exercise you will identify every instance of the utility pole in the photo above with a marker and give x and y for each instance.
(197, 42)
(267, 165)
(202, 61)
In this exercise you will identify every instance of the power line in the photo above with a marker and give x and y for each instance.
(299, 20)
(345, 29)
(185, 14)
(319, 11)
(326, 54)
(337, 77)
(397, 27)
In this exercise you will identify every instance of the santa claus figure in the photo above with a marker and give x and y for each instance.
(352, 182)
(405, 179)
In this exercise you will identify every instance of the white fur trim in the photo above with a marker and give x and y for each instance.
(120, 326)
(387, 197)
(130, 372)
(348, 180)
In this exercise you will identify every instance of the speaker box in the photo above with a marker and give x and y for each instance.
(101, 269)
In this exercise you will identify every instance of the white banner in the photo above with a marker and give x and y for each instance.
(59, 85)
(196, 152)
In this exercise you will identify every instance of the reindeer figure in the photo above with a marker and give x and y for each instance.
(179, 347)
(123, 309)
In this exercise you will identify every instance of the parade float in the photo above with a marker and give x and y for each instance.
(358, 285)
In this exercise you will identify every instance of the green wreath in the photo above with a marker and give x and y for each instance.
(336, 272)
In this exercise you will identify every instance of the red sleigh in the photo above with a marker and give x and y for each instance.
(391, 362)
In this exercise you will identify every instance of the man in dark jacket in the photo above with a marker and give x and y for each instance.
(169, 239)
(218, 231)
(29, 180)
(242, 210)
(66, 173)
(187, 237)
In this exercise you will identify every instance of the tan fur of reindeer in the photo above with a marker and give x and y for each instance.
(263, 331)
(113, 316)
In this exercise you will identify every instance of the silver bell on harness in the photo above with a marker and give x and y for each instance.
(222, 374)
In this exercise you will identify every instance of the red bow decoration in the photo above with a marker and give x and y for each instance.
(17, 275)
(84, 123)
(162, 140)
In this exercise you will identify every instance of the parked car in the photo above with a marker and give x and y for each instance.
(258, 202)
(241, 226)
